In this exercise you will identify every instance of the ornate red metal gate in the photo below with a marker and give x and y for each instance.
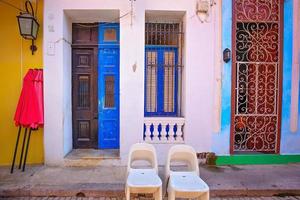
(256, 76)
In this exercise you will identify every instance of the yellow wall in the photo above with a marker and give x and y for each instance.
(15, 60)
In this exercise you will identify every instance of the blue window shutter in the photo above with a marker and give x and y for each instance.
(159, 95)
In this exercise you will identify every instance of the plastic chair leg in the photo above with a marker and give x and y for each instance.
(204, 196)
(127, 193)
(158, 194)
(171, 195)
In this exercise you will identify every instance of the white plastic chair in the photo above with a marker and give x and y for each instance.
(143, 180)
(185, 184)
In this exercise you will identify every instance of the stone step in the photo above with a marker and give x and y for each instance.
(92, 158)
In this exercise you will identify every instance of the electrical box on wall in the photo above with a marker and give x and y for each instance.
(51, 49)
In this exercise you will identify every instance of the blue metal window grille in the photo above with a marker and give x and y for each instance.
(162, 69)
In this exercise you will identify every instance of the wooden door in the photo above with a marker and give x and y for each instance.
(109, 98)
(85, 107)
(108, 84)
(84, 85)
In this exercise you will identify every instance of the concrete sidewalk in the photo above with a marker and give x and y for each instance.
(224, 181)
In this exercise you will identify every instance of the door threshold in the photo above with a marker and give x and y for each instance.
(76, 154)
(92, 157)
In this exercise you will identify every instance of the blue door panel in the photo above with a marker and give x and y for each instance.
(103, 27)
(108, 86)
(160, 50)
(109, 56)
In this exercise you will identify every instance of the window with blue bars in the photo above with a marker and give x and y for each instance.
(163, 69)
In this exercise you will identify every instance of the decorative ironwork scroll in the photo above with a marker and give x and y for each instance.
(256, 76)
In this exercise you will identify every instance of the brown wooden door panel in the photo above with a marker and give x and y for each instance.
(84, 94)
(85, 34)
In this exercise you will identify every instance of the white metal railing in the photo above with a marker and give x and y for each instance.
(164, 129)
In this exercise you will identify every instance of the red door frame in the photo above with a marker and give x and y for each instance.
(233, 83)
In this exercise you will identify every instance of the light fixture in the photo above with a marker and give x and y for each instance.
(28, 25)
(226, 55)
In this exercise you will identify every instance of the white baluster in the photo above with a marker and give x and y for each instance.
(164, 122)
(148, 132)
(155, 131)
(163, 133)
(171, 132)
(179, 132)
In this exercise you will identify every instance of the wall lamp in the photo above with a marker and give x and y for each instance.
(226, 55)
(28, 25)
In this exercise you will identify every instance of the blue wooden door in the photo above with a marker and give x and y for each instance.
(108, 86)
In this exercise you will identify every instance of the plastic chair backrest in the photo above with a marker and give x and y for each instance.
(182, 153)
(142, 152)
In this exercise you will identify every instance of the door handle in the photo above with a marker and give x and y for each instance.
(95, 115)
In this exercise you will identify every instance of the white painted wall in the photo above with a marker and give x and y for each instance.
(67, 85)
(53, 87)
(199, 74)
